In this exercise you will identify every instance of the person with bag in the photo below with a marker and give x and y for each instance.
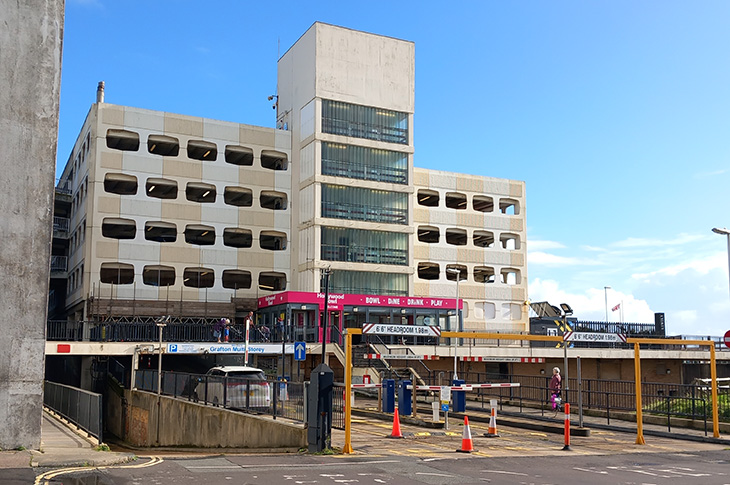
(556, 385)
(218, 329)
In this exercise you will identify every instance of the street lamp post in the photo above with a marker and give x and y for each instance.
(327, 273)
(161, 323)
(566, 311)
(725, 232)
(456, 272)
(605, 296)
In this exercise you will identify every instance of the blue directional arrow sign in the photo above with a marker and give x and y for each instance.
(300, 351)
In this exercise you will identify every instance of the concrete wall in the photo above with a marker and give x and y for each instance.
(188, 424)
(30, 76)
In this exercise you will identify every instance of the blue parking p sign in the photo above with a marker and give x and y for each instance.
(300, 351)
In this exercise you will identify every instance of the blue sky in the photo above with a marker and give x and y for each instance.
(616, 114)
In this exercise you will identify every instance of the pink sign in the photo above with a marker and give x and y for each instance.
(339, 300)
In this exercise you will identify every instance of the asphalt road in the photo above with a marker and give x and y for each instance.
(518, 456)
(705, 468)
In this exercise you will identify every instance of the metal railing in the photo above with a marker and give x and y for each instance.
(64, 330)
(338, 406)
(82, 408)
(689, 401)
(380, 173)
(273, 397)
(144, 329)
(364, 212)
(370, 131)
(59, 263)
(364, 254)
(60, 224)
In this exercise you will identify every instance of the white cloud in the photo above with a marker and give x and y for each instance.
(540, 257)
(542, 245)
(701, 266)
(590, 305)
(635, 242)
(715, 173)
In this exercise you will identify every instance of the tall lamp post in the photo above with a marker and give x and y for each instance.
(327, 273)
(725, 232)
(161, 323)
(605, 296)
(566, 311)
(457, 273)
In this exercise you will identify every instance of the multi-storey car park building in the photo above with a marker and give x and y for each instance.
(199, 219)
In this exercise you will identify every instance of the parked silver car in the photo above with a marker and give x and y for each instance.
(240, 386)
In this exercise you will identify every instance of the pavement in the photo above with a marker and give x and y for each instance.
(62, 445)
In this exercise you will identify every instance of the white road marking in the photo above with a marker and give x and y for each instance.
(601, 472)
(648, 473)
(672, 470)
(434, 474)
(506, 472)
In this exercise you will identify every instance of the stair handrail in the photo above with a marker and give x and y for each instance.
(408, 351)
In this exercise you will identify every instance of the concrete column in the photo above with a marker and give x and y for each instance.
(30, 76)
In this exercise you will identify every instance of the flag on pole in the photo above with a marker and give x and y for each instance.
(616, 307)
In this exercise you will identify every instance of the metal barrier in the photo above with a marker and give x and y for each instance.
(338, 406)
(274, 397)
(82, 408)
(689, 401)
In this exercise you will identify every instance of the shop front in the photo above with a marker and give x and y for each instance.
(296, 315)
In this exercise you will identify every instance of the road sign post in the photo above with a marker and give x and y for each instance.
(445, 398)
(300, 351)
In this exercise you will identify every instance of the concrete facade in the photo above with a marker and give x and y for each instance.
(351, 201)
(30, 75)
(115, 173)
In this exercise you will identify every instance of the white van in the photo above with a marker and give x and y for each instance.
(243, 387)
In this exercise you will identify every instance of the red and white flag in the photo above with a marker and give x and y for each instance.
(616, 307)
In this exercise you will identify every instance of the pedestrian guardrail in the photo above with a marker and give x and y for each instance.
(80, 407)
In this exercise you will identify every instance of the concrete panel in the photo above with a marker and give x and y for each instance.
(135, 119)
(219, 212)
(107, 249)
(111, 115)
(220, 130)
(143, 163)
(112, 160)
(30, 69)
(183, 125)
(177, 211)
(108, 204)
(220, 171)
(189, 424)
(173, 168)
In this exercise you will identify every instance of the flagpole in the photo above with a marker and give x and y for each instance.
(622, 311)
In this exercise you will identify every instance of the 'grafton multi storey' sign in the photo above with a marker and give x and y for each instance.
(407, 330)
(188, 348)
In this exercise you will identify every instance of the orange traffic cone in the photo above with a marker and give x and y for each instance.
(467, 446)
(396, 426)
(492, 431)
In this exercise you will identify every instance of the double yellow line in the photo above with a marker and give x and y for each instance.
(47, 477)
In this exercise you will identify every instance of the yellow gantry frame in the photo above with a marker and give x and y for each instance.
(637, 379)
(544, 338)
